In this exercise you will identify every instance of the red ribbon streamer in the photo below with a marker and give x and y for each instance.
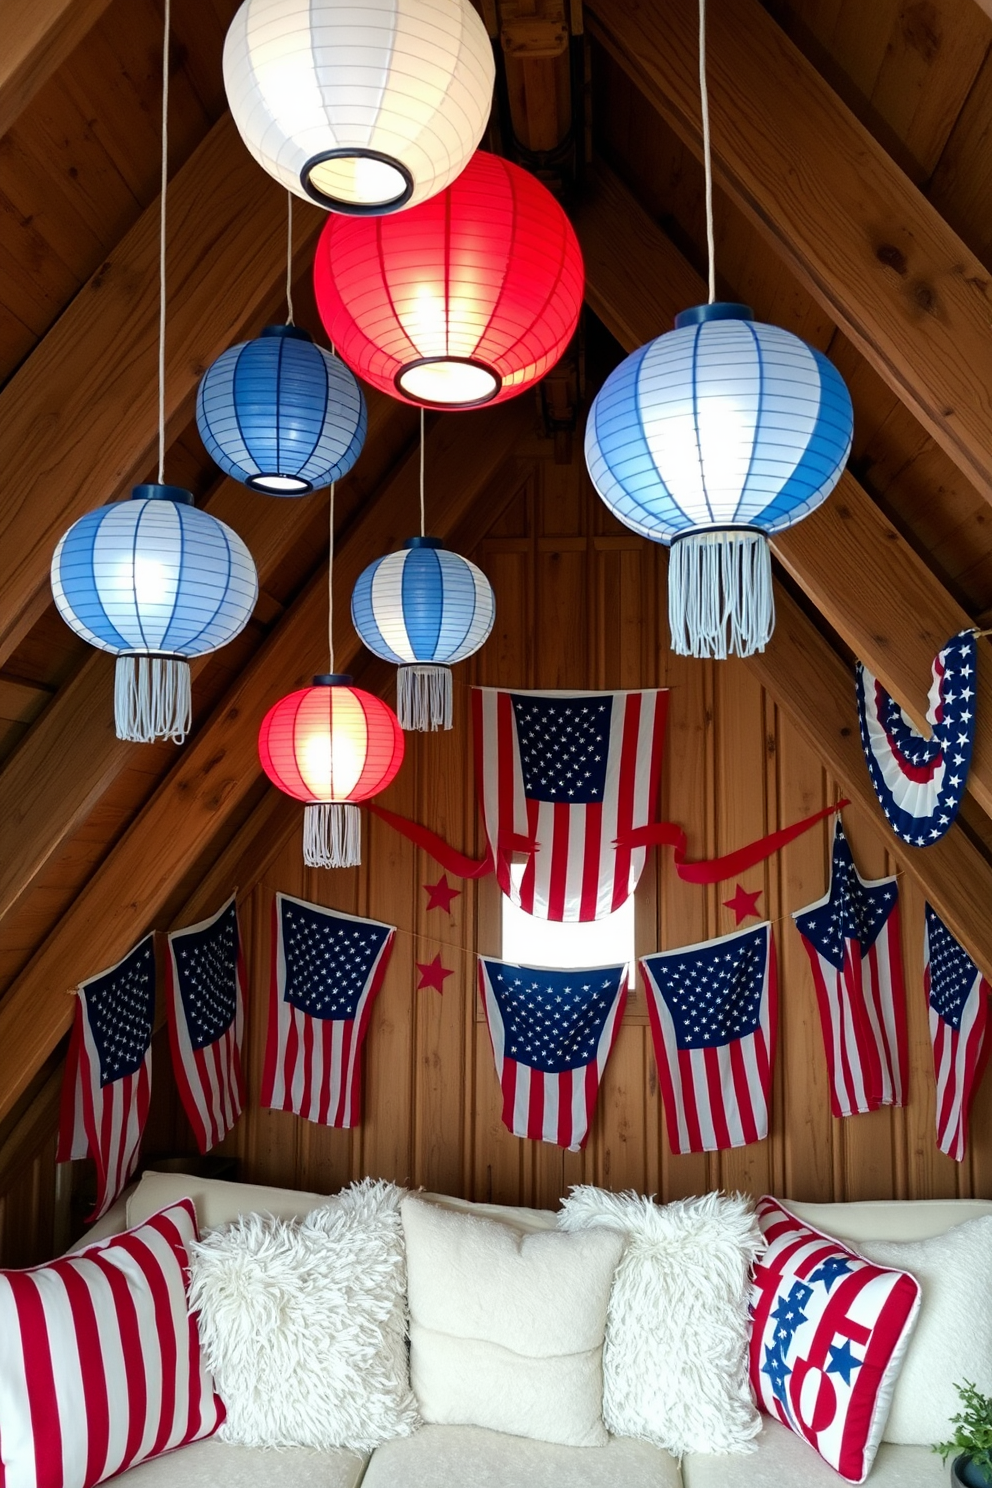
(657, 834)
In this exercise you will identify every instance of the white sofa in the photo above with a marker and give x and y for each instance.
(453, 1456)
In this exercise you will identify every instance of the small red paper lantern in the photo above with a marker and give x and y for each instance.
(465, 299)
(331, 745)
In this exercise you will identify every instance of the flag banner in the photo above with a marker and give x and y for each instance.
(573, 772)
(205, 994)
(919, 782)
(552, 1032)
(108, 1075)
(327, 969)
(958, 999)
(851, 936)
(714, 1010)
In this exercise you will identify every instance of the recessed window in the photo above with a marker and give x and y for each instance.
(533, 942)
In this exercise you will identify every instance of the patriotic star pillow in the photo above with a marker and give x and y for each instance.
(919, 782)
(829, 1332)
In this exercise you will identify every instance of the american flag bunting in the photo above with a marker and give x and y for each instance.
(958, 1001)
(551, 1032)
(572, 772)
(713, 1009)
(205, 989)
(851, 936)
(327, 969)
(108, 1075)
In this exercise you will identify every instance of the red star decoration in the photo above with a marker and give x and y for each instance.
(432, 974)
(743, 903)
(440, 894)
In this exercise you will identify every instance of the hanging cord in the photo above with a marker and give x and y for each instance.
(979, 633)
(289, 258)
(330, 582)
(423, 525)
(704, 102)
(161, 240)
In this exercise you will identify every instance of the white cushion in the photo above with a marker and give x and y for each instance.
(507, 1328)
(953, 1338)
(675, 1361)
(215, 1201)
(304, 1325)
(469, 1457)
(216, 1464)
(784, 1460)
(528, 1220)
(889, 1219)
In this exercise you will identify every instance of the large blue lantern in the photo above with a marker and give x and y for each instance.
(280, 414)
(154, 581)
(423, 609)
(709, 439)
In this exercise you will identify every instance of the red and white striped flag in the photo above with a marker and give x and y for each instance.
(205, 982)
(571, 772)
(552, 1032)
(958, 998)
(851, 936)
(108, 1075)
(327, 969)
(714, 1009)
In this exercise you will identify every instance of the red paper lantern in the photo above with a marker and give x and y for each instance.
(465, 299)
(331, 745)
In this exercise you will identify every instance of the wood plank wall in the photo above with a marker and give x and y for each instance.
(580, 603)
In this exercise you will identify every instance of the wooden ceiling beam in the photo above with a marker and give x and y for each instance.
(852, 227)
(220, 765)
(38, 36)
(72, 755)
(78, 421)
(861, 574)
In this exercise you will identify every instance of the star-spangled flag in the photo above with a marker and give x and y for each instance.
(919, 782)
(714, 1009)
(851, 936)
(108, 1074)
(958, 999)
(552, 1032)
(327, 969)
(205, 990)
(571, 772)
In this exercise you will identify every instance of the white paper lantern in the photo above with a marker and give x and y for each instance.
(363, 108)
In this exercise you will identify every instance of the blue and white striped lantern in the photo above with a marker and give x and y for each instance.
(154, 581)
(423, 609)
(709, 439)
(280, 414)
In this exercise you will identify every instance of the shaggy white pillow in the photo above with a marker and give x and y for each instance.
(675, 1360)
(953, 1337)
(506, 1327)
(304, 1324)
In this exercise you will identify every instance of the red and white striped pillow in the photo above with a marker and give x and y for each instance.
(100, 1364)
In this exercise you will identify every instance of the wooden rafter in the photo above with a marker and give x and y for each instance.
(861, 574)
(38, 35)
(71, 756)
(214, 773)
(78, 420)
(914, 300)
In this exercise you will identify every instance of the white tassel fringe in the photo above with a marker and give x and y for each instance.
(152, 699)
(423, 698)
(332, 835)
(720, 599)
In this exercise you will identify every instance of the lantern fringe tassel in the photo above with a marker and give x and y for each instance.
(423, 698)
(720, 598)
(332, 835)
(152, 699)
